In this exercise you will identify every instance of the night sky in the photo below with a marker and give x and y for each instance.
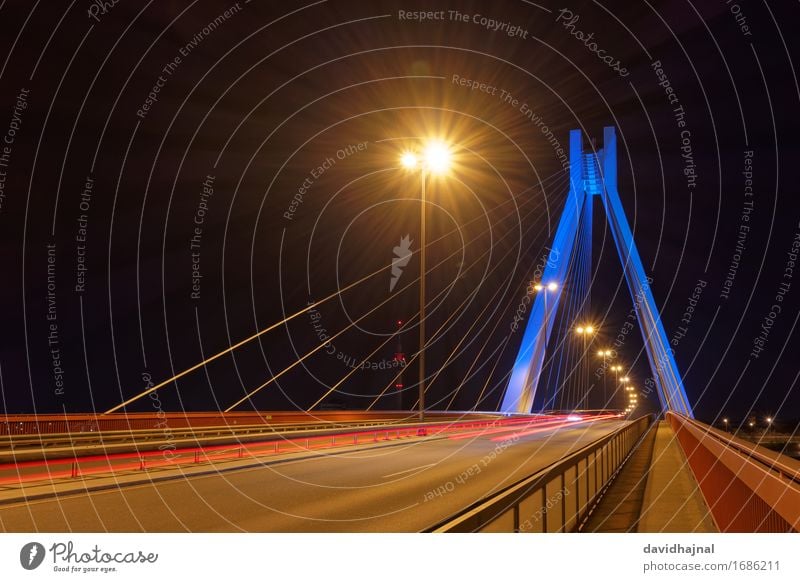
(176, 176)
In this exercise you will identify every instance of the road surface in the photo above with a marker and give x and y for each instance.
(407, 487)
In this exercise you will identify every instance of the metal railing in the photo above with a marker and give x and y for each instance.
(558, 498)
(746, 487)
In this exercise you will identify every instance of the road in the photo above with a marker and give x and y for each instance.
(406, 487)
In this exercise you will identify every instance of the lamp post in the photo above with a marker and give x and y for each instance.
(435, 159)
(543, 288)
(625, 380)
(604, 354)
(616, 369)
(585, 331)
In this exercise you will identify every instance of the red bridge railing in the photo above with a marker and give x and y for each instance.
(747, 488)
(30, 424)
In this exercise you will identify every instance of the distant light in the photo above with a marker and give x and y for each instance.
(579, 329)
(751, 423)
(399, 322)
(769, 419)
(625, 379)
(725, 420)
(552, 286)
(574, 417)
(409, 160)
(590, 329)
(538, 287)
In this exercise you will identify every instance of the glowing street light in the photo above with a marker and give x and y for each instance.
(616, 369)
(551, 286)
(409, 160)
(435, 159)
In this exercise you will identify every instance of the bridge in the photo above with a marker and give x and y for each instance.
(561, 454)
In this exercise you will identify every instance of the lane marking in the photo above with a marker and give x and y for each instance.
(407, 471)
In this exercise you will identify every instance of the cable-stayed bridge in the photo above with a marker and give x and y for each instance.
(545, 461)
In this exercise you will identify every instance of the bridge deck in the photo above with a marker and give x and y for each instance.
(408, 487)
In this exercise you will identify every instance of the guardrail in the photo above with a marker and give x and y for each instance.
(747, 488)
(558, 498)
(106, 459)
(32, 424)
(40, 447)
(140, 436)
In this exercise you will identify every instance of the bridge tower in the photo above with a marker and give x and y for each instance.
(593, 174)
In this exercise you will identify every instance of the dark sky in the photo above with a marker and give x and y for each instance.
(271, 132)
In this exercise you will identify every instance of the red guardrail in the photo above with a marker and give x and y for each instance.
(80, 466)
(747, 488)
(22, 424)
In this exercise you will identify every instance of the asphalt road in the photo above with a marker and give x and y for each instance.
(393, 489)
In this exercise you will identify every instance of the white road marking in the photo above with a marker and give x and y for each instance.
(408, 470)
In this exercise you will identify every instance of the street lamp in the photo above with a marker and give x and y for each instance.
(725, 422)
(616, 369)
(551, 286)
(543, 288)
(586, 332)
(605, 354)
(435, 159)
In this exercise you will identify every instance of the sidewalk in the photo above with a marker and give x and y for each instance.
(672, 499)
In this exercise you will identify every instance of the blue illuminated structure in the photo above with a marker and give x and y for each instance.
(593, 175)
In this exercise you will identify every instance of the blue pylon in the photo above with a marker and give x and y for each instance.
(593, 174)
